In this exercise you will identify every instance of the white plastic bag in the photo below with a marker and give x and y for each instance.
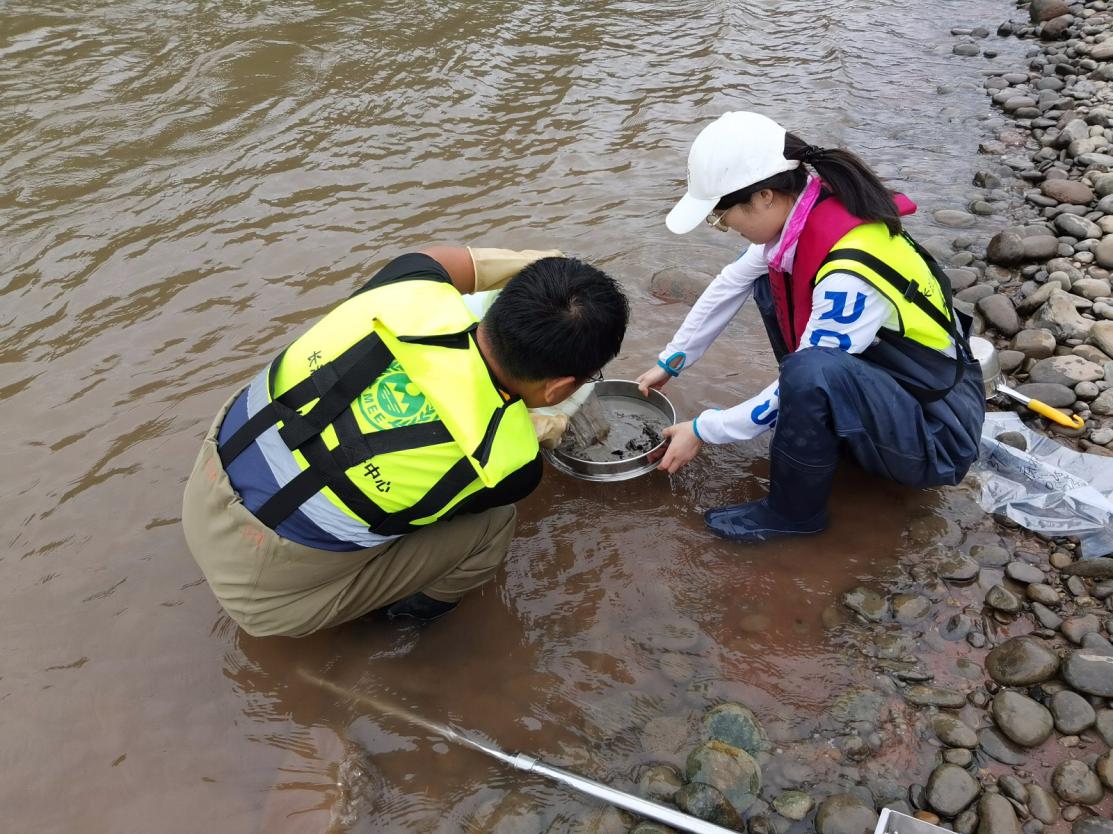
(480, 302)
(1048, 488)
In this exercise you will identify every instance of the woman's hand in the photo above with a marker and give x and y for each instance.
(655, 378)
(683, 445)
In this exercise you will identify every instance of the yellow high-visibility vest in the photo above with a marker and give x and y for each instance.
(891, 265)
(390, 411)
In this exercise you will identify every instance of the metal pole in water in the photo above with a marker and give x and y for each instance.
(520, 761)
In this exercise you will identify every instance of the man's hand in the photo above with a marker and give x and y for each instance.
(655, 377)
(683, 445)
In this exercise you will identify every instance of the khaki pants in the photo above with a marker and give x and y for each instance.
(270, 585)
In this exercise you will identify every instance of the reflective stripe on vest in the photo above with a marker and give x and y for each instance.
(893, 267)
(284, 468)
(389, 457)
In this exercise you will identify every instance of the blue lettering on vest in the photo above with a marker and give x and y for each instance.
(841, 338)
(759, 415)
(838, 309)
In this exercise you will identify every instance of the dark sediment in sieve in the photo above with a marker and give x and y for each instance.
(635, 428)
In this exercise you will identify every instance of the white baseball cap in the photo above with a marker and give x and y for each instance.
(734, 151)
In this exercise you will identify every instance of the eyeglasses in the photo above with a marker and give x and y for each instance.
(715, 221)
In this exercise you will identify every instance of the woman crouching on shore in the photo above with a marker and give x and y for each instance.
(873, 358)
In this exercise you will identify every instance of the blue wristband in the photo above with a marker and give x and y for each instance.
(674, 364)
(695, 429)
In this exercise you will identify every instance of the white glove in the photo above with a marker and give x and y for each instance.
(549, 428)
(480, 302)
(551, 422)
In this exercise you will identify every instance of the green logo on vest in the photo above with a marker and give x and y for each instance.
(395, 400)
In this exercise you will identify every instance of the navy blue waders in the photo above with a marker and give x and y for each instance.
(902, 411)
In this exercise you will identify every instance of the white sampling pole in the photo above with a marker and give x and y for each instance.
(520, 761)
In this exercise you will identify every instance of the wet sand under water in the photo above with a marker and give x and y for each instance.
(186, 186)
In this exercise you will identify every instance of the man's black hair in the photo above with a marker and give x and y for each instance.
(557, 317)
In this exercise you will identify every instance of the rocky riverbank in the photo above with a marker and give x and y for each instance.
(986, 707)
(1042, 288)
(990, 712)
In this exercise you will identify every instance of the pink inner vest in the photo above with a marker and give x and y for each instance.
(828, 222)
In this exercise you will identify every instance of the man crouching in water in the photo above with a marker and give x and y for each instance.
(375, 462)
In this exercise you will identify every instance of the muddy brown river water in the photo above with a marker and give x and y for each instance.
(185, 184)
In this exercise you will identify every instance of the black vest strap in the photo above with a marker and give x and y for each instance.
(960, 333)
(906, 288)
(912, 293)
(304, 486)
(355, 447)
(328, 468)
(459, 476)
(338, 384)
(460, 340)
(324, 470)
(246, 434)
(335, 386)
(356, 367)
(482, 452)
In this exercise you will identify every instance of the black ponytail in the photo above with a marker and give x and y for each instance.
(844, 174)
(850, 180)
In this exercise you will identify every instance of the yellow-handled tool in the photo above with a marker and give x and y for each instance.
(994, 381)
(1050, 412)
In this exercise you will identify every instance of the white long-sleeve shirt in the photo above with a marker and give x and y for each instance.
(846, 313)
